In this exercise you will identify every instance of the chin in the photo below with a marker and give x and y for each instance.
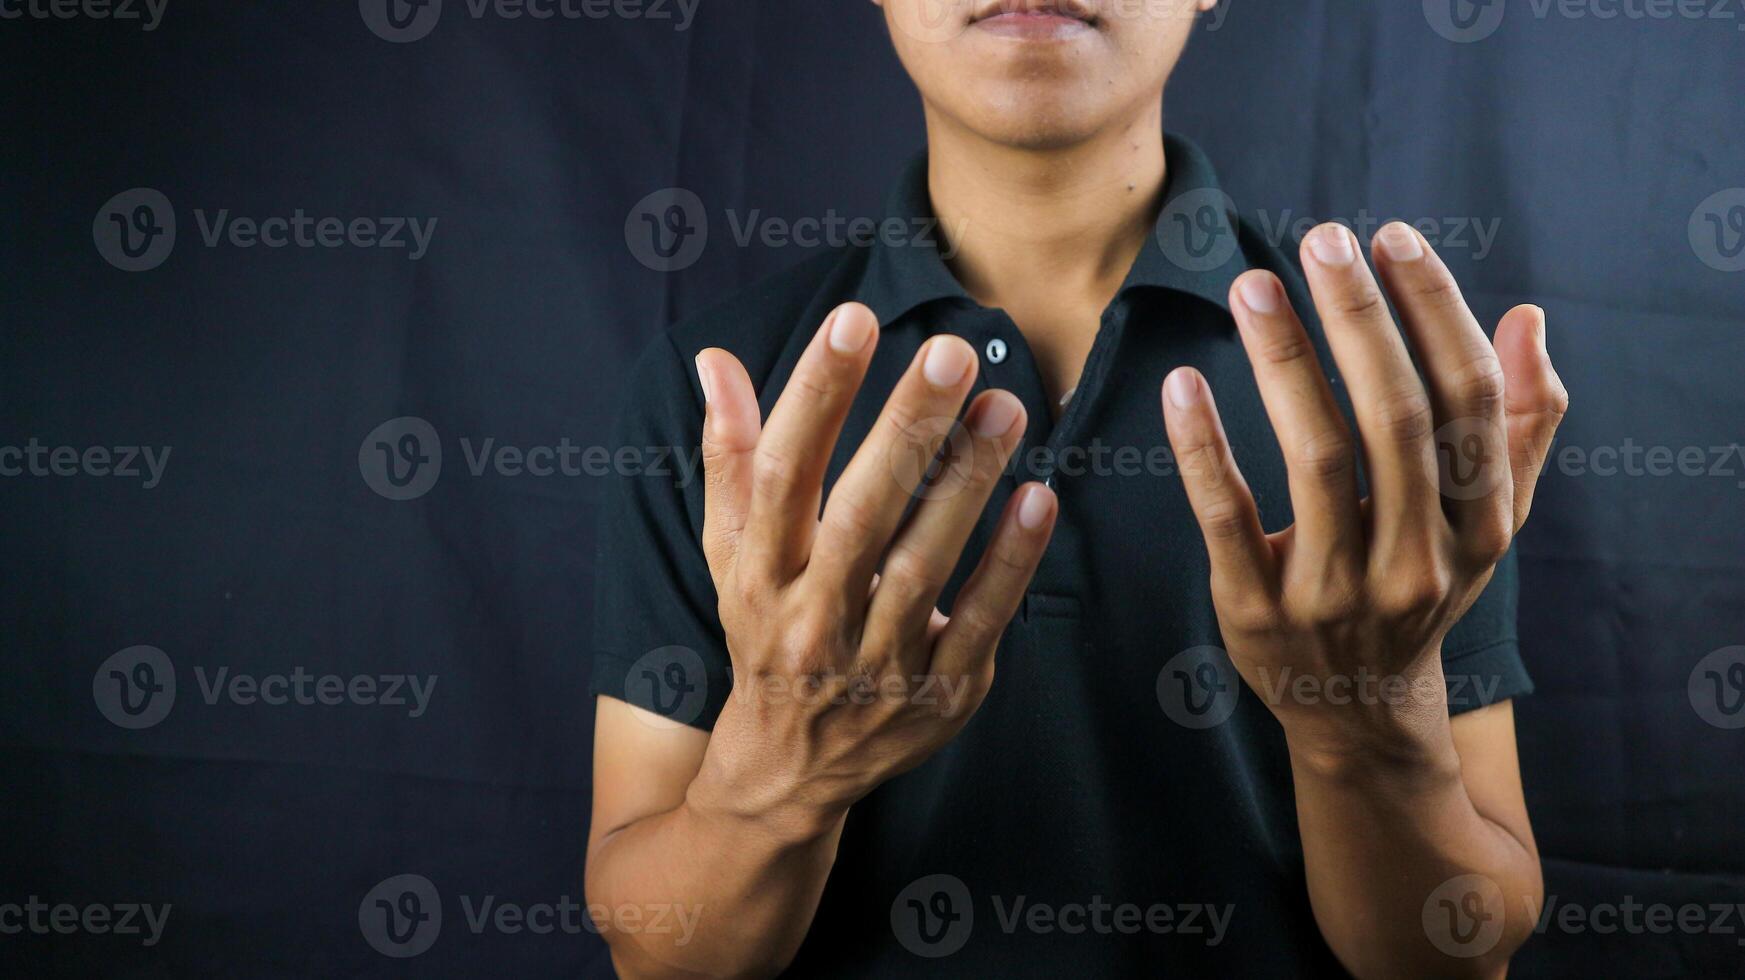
(1036, 120)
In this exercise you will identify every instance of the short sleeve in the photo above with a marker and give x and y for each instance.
(658, 642)
(1481, 656)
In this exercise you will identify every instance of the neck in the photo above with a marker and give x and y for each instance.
(1068, 219)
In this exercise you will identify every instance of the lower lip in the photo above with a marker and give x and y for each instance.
(1033, 26)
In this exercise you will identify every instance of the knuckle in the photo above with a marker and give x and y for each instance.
(978, 622)
(908, 568)
(773, 471)
(1411, 594)
(1440, 293)
(1286, 347)
(1405, 413)
(1480, 386)
(813, 387)
(1224, 519)
(1009, 558)
(853, 517)
(1360, 302)
(1559, 402)
(1204, 463)
(905, 425)
(1324, 454)
(1489, 540)
(1245, 609)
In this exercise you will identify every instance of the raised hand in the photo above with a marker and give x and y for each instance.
(845, 672)
(1367, 586)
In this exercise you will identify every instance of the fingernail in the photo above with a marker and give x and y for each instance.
(704, 379)
(995, 416)
(1401, 243)
(947, 362)
(1033, 509)
(1332, 245)
(1183, 388)
(849, 330)
(1259, 293)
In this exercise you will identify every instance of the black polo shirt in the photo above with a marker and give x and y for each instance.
(1121, 804)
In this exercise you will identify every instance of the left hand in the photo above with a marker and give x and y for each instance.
(1367, 588)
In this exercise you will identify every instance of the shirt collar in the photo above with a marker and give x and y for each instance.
(1194, 248)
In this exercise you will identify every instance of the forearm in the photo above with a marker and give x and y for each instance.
(747, 884)
(1386, 823)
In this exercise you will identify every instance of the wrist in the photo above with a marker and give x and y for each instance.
(1400, 728)
(734, 789)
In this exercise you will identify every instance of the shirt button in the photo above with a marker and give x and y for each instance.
(996, 351)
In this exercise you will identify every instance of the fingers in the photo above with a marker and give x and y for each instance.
(1242, 561)
(989, 599)
(1535, 400)
(1465, 382)
(926, 551)
(1319, 449)
(1394, 416)
(730, 433)
(791, 456)
(869, 498)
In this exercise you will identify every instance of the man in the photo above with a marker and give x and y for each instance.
(853, 792)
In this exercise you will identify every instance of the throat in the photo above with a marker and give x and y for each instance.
(1060, 339)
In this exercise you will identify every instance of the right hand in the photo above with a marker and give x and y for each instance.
(845, 673)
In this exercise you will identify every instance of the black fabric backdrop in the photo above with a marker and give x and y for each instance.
(1591, 145)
